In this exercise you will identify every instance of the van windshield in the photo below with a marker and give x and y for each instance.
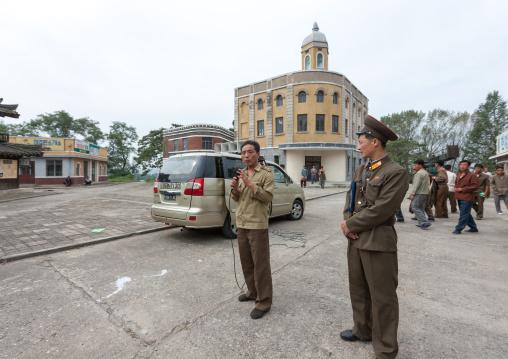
(179, 169)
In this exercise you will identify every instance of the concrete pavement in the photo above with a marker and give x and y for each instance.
(32, 225)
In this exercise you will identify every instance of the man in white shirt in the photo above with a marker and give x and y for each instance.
(451, 186)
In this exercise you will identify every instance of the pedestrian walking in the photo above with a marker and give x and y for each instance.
(451, 186)
(322, 177)
(303, 181)
(372, 241)
(442, 191)
(499, 185)
(432, 195)
(465, 185)
(419, 194)
(313, 174)
(482, 191)
(252, 189)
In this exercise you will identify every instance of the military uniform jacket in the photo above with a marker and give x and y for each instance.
(442, 178)
(385, 186)
(483, 182)
(252, 208)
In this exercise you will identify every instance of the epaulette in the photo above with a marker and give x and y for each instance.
(266, 168)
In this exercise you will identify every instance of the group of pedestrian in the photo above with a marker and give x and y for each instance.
(468, 189)
(313, 174)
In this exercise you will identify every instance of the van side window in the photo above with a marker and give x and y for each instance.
(280, 177)
(211, 168)
(231, 166)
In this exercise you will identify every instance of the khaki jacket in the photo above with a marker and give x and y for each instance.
(386, 184)
(499, 186)
(442, 179)
(252, 208)
(483, 182)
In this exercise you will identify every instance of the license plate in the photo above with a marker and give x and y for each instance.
(170, 197)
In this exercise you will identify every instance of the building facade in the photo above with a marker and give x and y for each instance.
(308, 117)
(194, 138)
(63, 157)
(501, 156)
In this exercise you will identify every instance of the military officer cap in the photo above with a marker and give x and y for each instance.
(376, 129)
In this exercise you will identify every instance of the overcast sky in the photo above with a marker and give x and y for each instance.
(153, 63)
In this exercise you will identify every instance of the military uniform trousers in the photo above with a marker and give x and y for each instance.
(254, 248)
(441, 196)
(453, 201)
(428, 207)
(373, 281)
(478, 205)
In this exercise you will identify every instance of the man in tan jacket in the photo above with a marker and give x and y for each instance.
(499, 184)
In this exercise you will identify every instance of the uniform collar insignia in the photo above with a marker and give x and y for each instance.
(377, 164)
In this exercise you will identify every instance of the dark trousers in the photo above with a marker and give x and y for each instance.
(303, 182)
(478, 205)
(254, 249)
(453, 202)
(428, 207)
(465, 219)
(373, 281)
(399, 215)
(441, 195)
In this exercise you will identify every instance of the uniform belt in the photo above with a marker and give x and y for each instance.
(389, 222)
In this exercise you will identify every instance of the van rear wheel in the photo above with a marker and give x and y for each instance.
(229, 230)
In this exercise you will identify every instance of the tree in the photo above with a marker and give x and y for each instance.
(121, 139)
(489, 120)
(150, 151)
(62, 124)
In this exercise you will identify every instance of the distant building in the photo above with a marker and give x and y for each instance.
(501, 155)
(63, 157)
(194, 138)
(308, 117)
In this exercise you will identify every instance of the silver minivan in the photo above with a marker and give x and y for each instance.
(192, 190)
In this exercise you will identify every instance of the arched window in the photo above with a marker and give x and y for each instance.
(279, 100)
(260, 104)
(320, 96)
(335, 98)
(347, 102)
(320, 60)
(78, 169)
(302, 97)
(307, 62)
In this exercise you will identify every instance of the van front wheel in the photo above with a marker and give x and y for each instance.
(229, 230)
(296, 211)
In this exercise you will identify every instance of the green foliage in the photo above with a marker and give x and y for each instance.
(122, 177)
(121, 139)
(489, 120)
(150, 151)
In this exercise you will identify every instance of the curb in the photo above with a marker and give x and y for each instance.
(325, 195)
(15, 257)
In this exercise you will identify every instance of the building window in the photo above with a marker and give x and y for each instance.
(261, 128)
(320, 123)
(320, 60)
(184, 144)
(276, 159)
(335, 124)
(307, 62)
(348, 163)
(347, 102)
(78, 169)
(175, 145)
(260, 104)
(279, 100)
(206, 143)
(345, 127)
(302, 97)
(279, 125)
(53, 167)
(320, 96)
(302, 123)
(335, 98)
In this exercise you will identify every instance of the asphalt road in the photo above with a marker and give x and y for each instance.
(172, 294)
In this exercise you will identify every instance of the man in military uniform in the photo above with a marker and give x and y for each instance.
(375, 195)
(482, 191)
(253, 190)
(442, 190)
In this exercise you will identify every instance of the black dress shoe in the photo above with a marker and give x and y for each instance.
(243, 298)
(349, 336)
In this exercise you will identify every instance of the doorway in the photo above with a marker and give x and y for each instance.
(312, 161)
(27, 174)
(93, 171)
(85, 169)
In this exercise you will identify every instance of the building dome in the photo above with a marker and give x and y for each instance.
(315, 36)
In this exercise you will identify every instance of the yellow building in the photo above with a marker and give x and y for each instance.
(308, 117)
(63, 157)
